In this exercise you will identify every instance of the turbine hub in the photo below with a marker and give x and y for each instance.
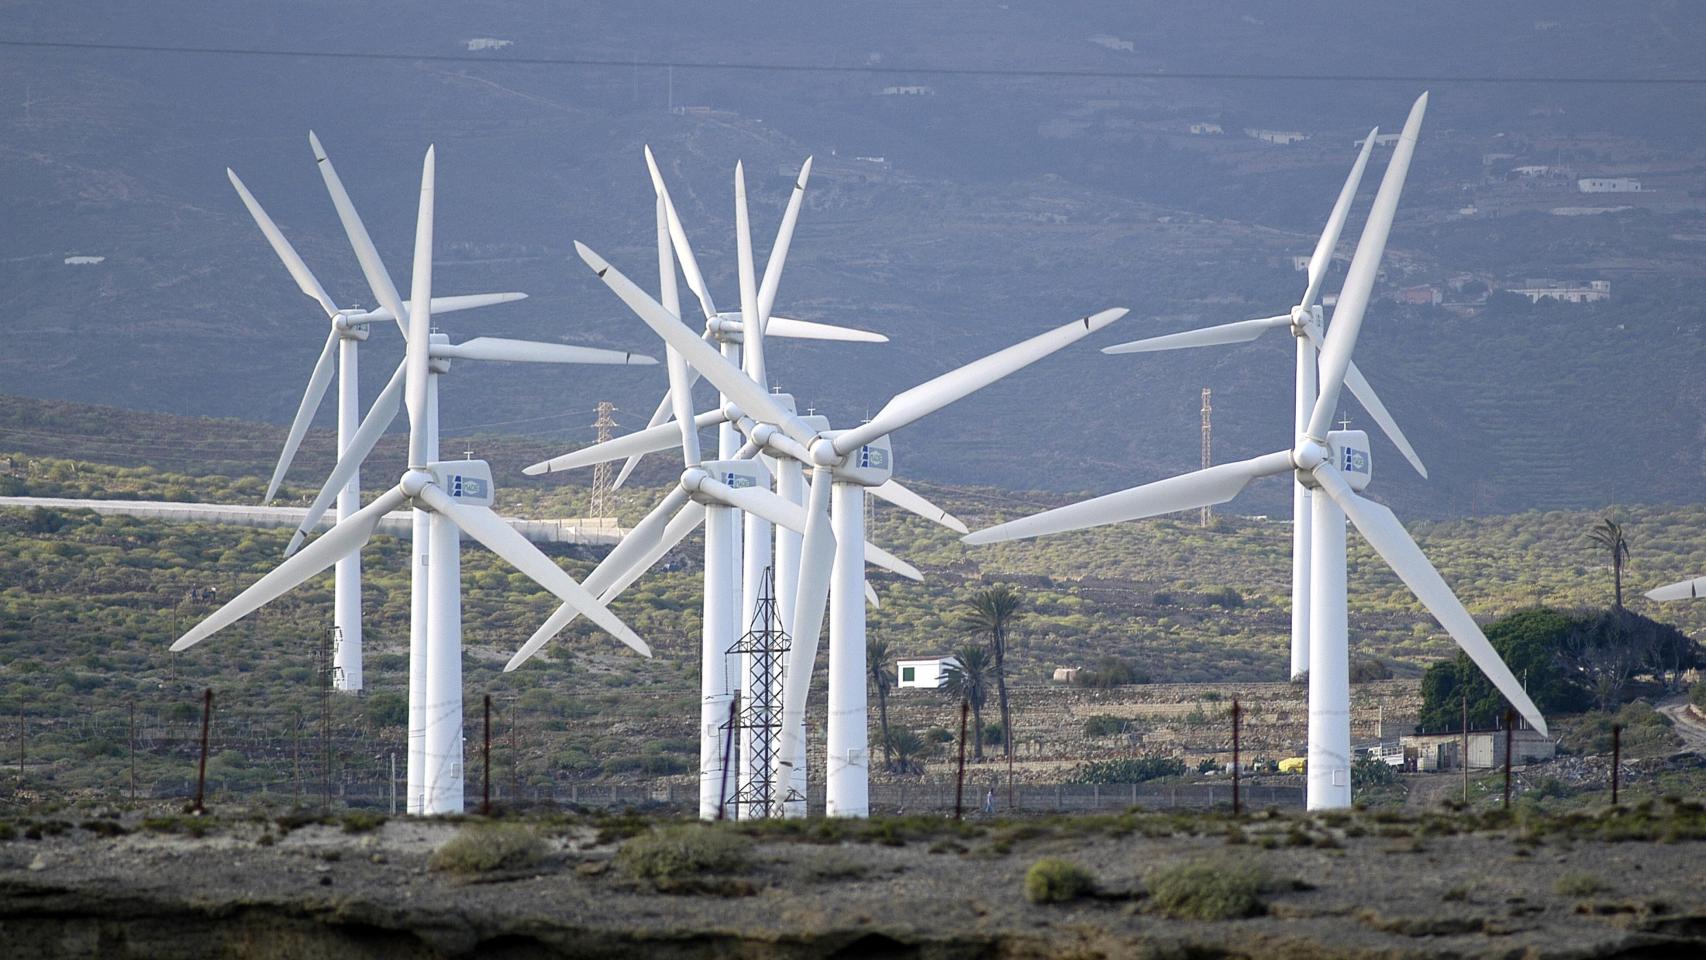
(1309, 454)
(349, 327)
(413, 482)
(1299, 321)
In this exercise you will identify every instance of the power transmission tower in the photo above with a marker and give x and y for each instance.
(600, 506)
(1207, 444)
(765, 646)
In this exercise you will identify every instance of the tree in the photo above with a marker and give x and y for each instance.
(1528, 641)
(877, 661)
(1608, 534)
(992, 610)
(968, 679)
(908, 750)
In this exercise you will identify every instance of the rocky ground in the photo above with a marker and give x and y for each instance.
(1617, 883)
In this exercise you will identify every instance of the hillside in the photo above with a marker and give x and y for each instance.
(88, 606)
(1003, 203)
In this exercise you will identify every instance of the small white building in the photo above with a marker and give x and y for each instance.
(1281, 137)
(1537, 290)
(907, 90)
(1206, 129)
(928, 673)
(1608, 185)
(1380, 140)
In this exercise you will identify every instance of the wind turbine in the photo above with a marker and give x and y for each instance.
(1336, 465)
(384, 410)
(349, 329)
(713, 492)
(1305, 320)
(844, 463)
(457, 497)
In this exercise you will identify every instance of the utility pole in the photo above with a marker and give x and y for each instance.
(1207, 444)
(133, 753)
(1237, 714)
(600, 505)
(1465, 757)
(486, 761)
(201, 768)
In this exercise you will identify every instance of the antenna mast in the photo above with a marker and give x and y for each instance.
(1207, 444)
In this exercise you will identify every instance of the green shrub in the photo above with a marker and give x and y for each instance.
(1053, 880)
(1127, 770)
(1577, 883)
(1697, 696)
(674, 857)
(483, 847)
(1103, 725)
(360, 822)
(1209, 890)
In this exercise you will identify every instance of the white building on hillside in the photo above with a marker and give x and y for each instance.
(1608, 185)
(928, 673)
(1281, 137)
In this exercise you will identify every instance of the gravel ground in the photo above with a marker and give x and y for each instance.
(1369, 885)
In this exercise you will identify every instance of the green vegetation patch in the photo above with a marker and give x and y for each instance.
(484, 847)
(1221, 889)
(678, 858)
(1053, 880)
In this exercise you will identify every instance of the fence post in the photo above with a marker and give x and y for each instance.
(1616, 759)
(201, 769)
(960, 778)
(1510, 723)
(486, 761)
(133, 753)
(1237, 800)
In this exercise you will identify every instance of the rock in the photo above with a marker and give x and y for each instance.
(39, 863)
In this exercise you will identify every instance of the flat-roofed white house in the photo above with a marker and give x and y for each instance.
(928, 673)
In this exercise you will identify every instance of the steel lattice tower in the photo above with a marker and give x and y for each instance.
(600, 502)
(766, 646)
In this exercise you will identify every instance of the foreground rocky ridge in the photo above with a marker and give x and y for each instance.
(1617, 884)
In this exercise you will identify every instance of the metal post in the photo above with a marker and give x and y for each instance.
(1237, 714)
(486, 762)
(514, 760)
(1510, 724)
(1616, 758)
(960, 779)
(133, 753)
(728, 755)
(201, 770)
(296, 755)
(1465, 758)
(21, 731)
(392, 783)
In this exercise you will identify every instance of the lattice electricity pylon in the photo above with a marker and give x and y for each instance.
(766, 645)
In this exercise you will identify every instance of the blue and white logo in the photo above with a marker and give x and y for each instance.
(1356, 461)
(873, 458)
(468, 488)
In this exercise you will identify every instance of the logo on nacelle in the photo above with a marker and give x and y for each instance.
(470, 488)
(1355, 461)
(874, 458)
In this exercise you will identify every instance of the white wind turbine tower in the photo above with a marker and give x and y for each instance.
(1336, 464)
(457, 497)
(844, 463)
(349, 329)
(1305, 320)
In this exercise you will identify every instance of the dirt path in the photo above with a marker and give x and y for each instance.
(1428, 790)
(1685, 723)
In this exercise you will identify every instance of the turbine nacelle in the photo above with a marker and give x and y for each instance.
(1352, 456)
(350, 326)
(733, 474)
(872, 465)
(465, 481)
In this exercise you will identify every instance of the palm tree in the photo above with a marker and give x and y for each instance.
(908, 751)
(877, 661)
(992, 610)
(968, 679)
(1608, 533)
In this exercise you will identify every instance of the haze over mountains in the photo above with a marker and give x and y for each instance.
(955, 212)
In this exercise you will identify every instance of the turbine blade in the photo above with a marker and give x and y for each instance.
(1681, 590)
(500, 538)
(1388, 537)
(782, 512)
(1322, 258)
(317, 382)
(378, 278)
(779, 250)
(305, 279)
(934, 394)
(817, 558)
(656, 439)
(792, 329)
(678, 239)
(373, 426)
(1241, 332)
(1359, 281)
(903, 497)
(534, 351)
(685, 522)
(337, 543)
(752, 323)
(633, 548)
(727, 378)
(681, 400)
(1204, 488)
(418, 344)
(871, 596)
(471, 301)
(1365, 394)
